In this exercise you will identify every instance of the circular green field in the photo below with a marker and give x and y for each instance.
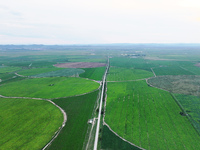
(54, 87)
(27, 124)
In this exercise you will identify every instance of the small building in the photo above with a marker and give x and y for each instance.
(90, 121)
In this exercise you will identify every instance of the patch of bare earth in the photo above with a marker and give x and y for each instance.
(198, 64)
(80, 65)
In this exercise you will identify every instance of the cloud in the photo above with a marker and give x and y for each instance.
(190, 3)
(90, 21)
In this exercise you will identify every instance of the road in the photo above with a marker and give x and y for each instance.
(100, 107)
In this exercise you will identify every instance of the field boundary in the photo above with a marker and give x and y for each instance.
(178, 103)
(60, 128)
(187, 115)
(154, 86)
(153, 72)
(104, 123)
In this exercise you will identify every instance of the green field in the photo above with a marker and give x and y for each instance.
(79, 111)
(123, 74)
(110, 141)
(191, 105)
(51, 72)
(148, 117)
(6, 76)
(54, 87)
(173, 70)
(27, 124)
(35, 71)
(137, 63)
(8, 69)
(93, 73)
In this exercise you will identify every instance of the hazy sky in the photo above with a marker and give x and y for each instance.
(99, 21)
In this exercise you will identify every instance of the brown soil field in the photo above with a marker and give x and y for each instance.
(80, 65)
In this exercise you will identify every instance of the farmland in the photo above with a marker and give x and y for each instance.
(147, 116)
(151, 100)
(93, 73)
(123, 74)
(133, 109)
(51, 72)
(54, 87)
(111, 141)
(79, 110)
(191, 105)
(173, 70)
(27, 124)
(186, 84)
(4, 69)
(37, 78)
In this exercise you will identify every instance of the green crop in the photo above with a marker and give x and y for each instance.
(148, 117)
(27, 124)
(54, 87)
(123, 74)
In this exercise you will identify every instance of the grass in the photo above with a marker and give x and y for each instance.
(54, 87)
(123, 74)
(27, 124)
(148, 117)
(93, 73)
(79, 111)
